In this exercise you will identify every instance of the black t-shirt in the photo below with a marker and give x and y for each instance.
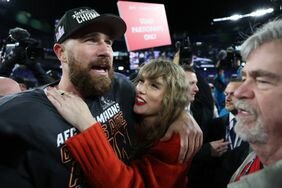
(32, 136)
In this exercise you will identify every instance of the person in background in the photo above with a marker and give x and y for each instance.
(220, 155)
(8, 86)
(23, 84)
(161, 96)
(192, 82)
(227, 150)
(32, 132)
(219, 87)
(259, 120)
(215, 110)
(202, 107)
(230, 119)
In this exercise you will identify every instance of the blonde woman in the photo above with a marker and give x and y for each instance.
(161, 96)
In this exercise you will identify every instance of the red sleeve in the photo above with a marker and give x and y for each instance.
(103, 168)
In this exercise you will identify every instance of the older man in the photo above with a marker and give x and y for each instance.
(260, 109)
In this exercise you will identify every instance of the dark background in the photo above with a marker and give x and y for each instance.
(186, 19)
(192, 17)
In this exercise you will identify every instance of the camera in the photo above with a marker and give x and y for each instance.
(185, 51)
(19, 48)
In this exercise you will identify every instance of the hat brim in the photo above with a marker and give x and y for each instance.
(112, 25)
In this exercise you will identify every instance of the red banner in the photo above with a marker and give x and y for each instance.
(146, 25)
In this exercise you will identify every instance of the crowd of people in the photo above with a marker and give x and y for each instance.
(96, 128)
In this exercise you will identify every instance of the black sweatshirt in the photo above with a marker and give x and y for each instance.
(32, 136)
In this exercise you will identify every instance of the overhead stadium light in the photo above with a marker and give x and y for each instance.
(257, 13)
(261, 12)
(235, 17)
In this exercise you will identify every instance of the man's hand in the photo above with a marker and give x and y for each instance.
(218, 147)
(191, 136)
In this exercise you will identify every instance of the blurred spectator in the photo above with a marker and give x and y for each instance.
(21, 81)
(202, 107)
(219, 87)
(220, 155)
(226, 162)
(8, 86)
(192, 81)
(215, 110)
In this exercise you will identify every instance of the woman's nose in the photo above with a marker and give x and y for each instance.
(141, 88)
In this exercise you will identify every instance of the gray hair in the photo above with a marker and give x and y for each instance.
(266, 33)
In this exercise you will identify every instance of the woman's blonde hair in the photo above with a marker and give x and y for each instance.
(175, 96)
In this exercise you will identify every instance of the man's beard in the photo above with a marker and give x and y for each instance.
(87, 84)
(255, 134)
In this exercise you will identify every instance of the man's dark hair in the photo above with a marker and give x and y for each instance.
(188, 68)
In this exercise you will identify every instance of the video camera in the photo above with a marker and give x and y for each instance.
(185, 51)
(19, 48)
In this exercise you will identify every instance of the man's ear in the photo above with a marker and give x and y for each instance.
(60, 52)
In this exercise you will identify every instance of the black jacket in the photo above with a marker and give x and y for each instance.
(208, 171)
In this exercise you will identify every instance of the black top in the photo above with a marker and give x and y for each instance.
(32, 136)
(209, 171)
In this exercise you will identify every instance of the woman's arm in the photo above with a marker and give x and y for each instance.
(191, 136)
(99, 161)
(102, 167)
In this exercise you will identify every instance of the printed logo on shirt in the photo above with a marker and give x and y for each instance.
(108, 113)
(106, 103)
(115, 128)
(62, 137)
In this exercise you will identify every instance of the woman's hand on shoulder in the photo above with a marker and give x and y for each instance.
(72, 108)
